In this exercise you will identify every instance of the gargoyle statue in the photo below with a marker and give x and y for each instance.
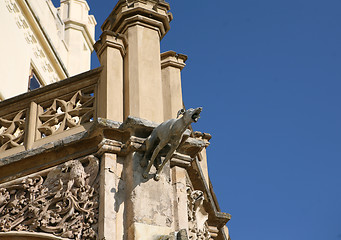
(169, 132)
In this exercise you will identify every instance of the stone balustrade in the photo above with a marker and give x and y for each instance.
(38, 117)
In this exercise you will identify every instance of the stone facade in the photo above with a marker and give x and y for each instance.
(71, 152)
(53, 43)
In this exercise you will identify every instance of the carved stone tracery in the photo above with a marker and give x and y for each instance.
(65, 114)
(12, 130)
(63, 203)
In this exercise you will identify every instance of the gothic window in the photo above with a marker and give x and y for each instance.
(33, 81)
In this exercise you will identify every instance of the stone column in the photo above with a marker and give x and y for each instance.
(107, 214)
(144, 23)
(172, 64)
(112, 194)
(111, 51)
(180, 198)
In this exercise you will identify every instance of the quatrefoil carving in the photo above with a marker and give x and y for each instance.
(63, 115)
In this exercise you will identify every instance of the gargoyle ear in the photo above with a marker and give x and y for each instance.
(180, 112)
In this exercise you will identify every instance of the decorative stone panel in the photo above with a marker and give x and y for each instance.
(62, 202)
(65, 113)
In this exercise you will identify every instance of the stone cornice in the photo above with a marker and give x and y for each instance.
(80, 2)
(144, 22)
(150, 13)
(98, 137)
(29, 235)
(173, 59)
(111, 39)
(171, 53)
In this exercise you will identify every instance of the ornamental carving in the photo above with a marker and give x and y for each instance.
(63, 202)
(65, 114)
(12, 131)
(197, 216)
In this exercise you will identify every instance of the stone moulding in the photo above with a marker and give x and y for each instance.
(99, 137)
(121, 16)
(19, 235)
(63, 201)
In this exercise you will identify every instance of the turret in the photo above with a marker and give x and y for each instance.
(79, 34)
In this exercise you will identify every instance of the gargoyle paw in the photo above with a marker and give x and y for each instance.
(145, 175)
(156, 177)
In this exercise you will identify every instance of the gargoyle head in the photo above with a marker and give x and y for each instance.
(190, 115)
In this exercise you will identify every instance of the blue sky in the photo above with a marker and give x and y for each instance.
(268, 75)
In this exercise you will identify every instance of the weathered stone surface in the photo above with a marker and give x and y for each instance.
(181, 235)
(151, 202)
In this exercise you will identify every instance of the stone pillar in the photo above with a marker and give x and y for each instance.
(111, 51)
(144, 23)
(107, 214)
(180, 198)
(172, 64)
(112, 195)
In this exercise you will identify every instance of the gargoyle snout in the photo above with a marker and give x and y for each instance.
(196, 114)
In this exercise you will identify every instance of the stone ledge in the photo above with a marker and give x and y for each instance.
(99, 137)
(28, 236)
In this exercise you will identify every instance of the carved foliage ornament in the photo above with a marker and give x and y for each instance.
(65, 114)
(12, 131)
(63, 203)
(197, 216)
